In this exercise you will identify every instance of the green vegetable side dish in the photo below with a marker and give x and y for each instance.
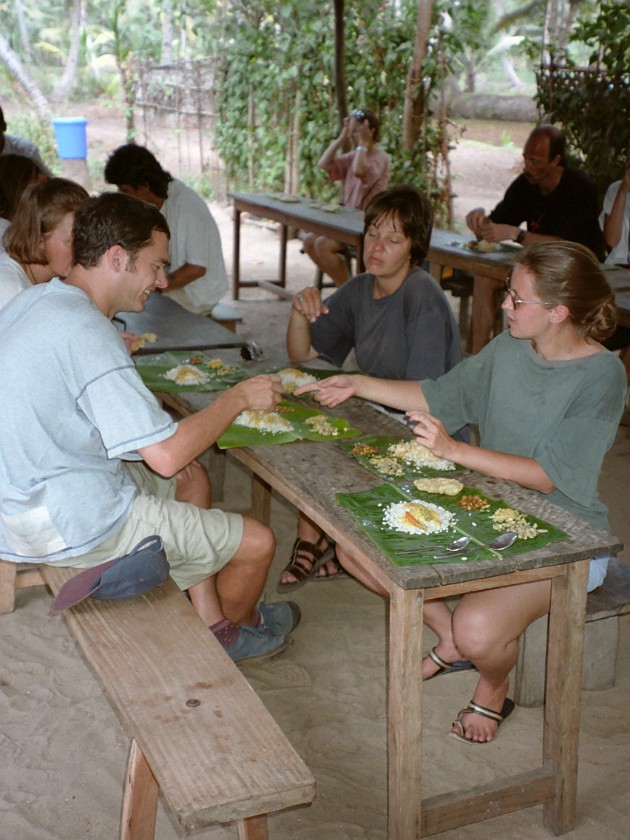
(368, 509)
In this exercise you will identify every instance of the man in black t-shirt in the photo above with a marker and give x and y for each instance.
(554, 200)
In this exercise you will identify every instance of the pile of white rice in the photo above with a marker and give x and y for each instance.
(429, 518)
(417, 455)
(293, 378)
(264, 421)
(186, 375)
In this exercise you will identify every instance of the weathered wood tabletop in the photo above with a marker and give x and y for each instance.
(309, 475)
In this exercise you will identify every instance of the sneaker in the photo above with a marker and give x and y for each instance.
(280, 617)
(256, 643)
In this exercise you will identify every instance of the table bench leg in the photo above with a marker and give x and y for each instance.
(564, 688)
(404, 714)
(140, 798)
(253, 828)
(8, 572)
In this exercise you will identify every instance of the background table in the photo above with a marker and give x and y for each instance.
(303, 473)
(175, 327)
(344, 225)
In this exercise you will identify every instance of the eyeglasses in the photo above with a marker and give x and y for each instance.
(517, 301)
(358, 114)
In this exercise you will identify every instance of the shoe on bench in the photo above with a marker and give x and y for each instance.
(256, 644)
(280, 617)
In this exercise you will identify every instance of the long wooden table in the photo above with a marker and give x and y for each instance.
(295, 471)
(175, 327)
(344, 225)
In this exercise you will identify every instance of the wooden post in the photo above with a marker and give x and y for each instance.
(405, 713)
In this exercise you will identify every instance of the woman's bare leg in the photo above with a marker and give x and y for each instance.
(486, 629)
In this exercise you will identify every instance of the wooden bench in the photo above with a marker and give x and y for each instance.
(199, 733)
(226, 316)
(604, 606)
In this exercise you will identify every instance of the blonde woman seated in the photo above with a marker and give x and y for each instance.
(547, 397)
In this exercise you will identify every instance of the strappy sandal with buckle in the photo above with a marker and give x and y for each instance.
(498, 717)
(306, 559)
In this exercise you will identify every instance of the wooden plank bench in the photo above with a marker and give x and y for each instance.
(199, 733)
(604, 606)
(226, 315)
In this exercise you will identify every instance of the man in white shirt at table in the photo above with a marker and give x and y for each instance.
(197, 278)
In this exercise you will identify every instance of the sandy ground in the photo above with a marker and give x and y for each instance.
(64, 751)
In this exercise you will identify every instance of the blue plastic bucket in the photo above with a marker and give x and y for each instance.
(70, 134)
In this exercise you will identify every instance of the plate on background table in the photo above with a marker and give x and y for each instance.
(298, 416)
(369, 507)
(217, 376)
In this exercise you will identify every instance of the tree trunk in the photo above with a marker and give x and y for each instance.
(414, 94)
(26, 44)
(16, 69)
(340, 76)
(166, 54)
(66, 83)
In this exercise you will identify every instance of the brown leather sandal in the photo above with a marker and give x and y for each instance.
(306, 559)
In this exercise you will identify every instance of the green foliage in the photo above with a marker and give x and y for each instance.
(277, 82)
(593, 105)
(24, 124)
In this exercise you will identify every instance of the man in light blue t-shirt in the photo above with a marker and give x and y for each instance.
(90, 463)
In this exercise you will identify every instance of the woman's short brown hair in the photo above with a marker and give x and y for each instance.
(413, 211)
(40, 210)
(568, 274)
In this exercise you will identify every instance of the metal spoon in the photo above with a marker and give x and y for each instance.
(498, 544)
(456, 545)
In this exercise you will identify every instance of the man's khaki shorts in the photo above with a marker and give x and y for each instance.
(198, 543)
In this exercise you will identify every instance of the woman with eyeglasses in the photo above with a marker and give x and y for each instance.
(364, 172)
(547, 398)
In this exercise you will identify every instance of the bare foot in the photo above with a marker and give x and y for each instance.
(478, 728)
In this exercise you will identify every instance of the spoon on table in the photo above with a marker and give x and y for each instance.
(498, 544)
(457, 545)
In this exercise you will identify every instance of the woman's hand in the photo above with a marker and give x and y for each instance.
(331, 391)
(308, 303)
(430, 432)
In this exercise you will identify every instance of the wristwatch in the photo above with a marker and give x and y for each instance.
(520, 236)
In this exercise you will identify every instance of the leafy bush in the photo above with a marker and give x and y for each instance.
(593, 105)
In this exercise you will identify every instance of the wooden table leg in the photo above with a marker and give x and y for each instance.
(404, 714)
(236, 255)
(253, 828)
(282, 280)
(140, 798)
(564, 689)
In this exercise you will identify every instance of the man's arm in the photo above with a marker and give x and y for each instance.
(613, 222)
(184, 275)
(199, 431)
(328, 158)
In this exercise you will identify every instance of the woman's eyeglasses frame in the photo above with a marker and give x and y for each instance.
(516, 301)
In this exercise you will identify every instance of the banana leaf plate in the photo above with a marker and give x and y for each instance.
(153, 368)
(395, 469)
(368, 509)
(297, 415)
